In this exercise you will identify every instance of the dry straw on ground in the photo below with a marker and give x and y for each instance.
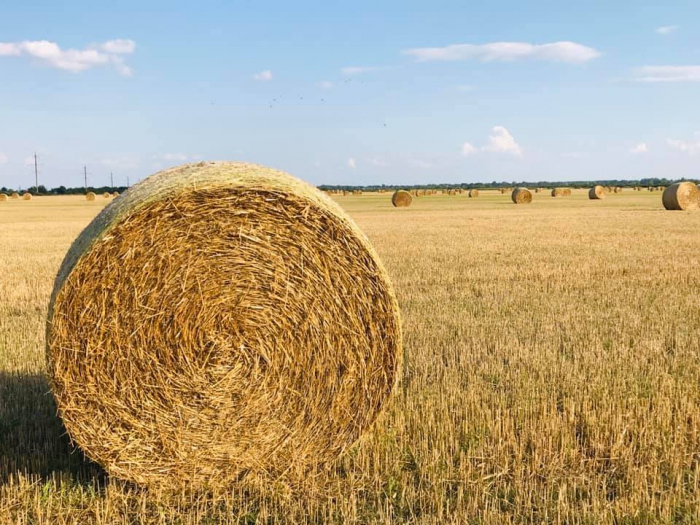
(521, 196)
(26, 196)
(681, 196)
(596, 192)
(89, 196)
(474, 193)
(401, 199)
(219, 320)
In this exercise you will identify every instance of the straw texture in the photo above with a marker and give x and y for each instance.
(521, 196)
(401, 199)
(220, 320)
(596, 192)
(681, 196)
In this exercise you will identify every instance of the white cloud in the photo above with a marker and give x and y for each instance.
(73, 60)
(263, 75)
(468, 149)
(667, 74)
(465, 88)
(356, 70)
(29, 161)
(379, 163)
(421, 163)
(501, 141)
(506, 51)
(666, 30)
(640, 148)
(3, 158)
(325, 85)
(119, 47)
(351, 163)
(691, 147)
(574, 155)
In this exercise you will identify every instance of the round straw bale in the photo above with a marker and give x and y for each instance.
(596, 192)
(106, 195)
(557, 192)
(26, 196)
(15, 195)
(90, 196)
(521, 196)
(567, 192)
(3, 197)
(681, 196)
(115, 194)
(474, 193)
(618, 190)
(401, 199)
(221, 320)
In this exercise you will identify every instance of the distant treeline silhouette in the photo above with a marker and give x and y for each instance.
(62, 190)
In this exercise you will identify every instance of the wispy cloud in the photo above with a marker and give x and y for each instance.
(691, 147)
(379, 163)
(501, 141)
(667, 74)
(110, 53)
(465, 88)
(351, 163)
(325, 84)
(640, 148)
(263, 76)
(506, 51)
(350, 71)
(468, 149)
(666, 30)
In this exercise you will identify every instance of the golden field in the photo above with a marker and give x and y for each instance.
(552, 373)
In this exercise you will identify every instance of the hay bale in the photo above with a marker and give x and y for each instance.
(401, 199)
(596, 193)
(106, 195)
(473, 193)
(221, 320)
(503, 191)
(567, 192)
(26, 196)
(90, 196)
(3, 197)
(681, 196)
(115, 194)
(15, 195)
(557, 192)
(521, 196)
(618, 190)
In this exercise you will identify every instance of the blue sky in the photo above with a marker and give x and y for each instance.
(365, 92)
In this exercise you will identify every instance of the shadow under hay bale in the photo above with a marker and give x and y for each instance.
(248, 328)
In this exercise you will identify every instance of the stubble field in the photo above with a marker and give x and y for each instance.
(552, 373)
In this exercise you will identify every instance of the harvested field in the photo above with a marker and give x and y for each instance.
(528, 395)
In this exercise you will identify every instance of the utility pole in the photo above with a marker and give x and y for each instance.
(111, 180)
(36, 173)
(85, 172)
(127, 181)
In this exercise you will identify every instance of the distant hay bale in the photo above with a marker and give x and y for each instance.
(401, 199)
(90, 196)
(567, 192)
(618, 190)
(357, 192)
(115, 194)
(473, 193)
(607, 189)
(681, 196)
(521, 196)
(218, 321)
(26, 196)
(452, 192)
(15, 195)
(3, 197)
(503, 190)
(596, 193)
(557, 192)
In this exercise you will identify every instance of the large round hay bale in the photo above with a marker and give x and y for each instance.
(218, 320)
(15, 195)
(90, 196)
(401, 199)
(681, 196)
(26, 196)
(521, 196)
(567, 192)
(3, 197)
(596, 192)
(557, 192)
(473, 193)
